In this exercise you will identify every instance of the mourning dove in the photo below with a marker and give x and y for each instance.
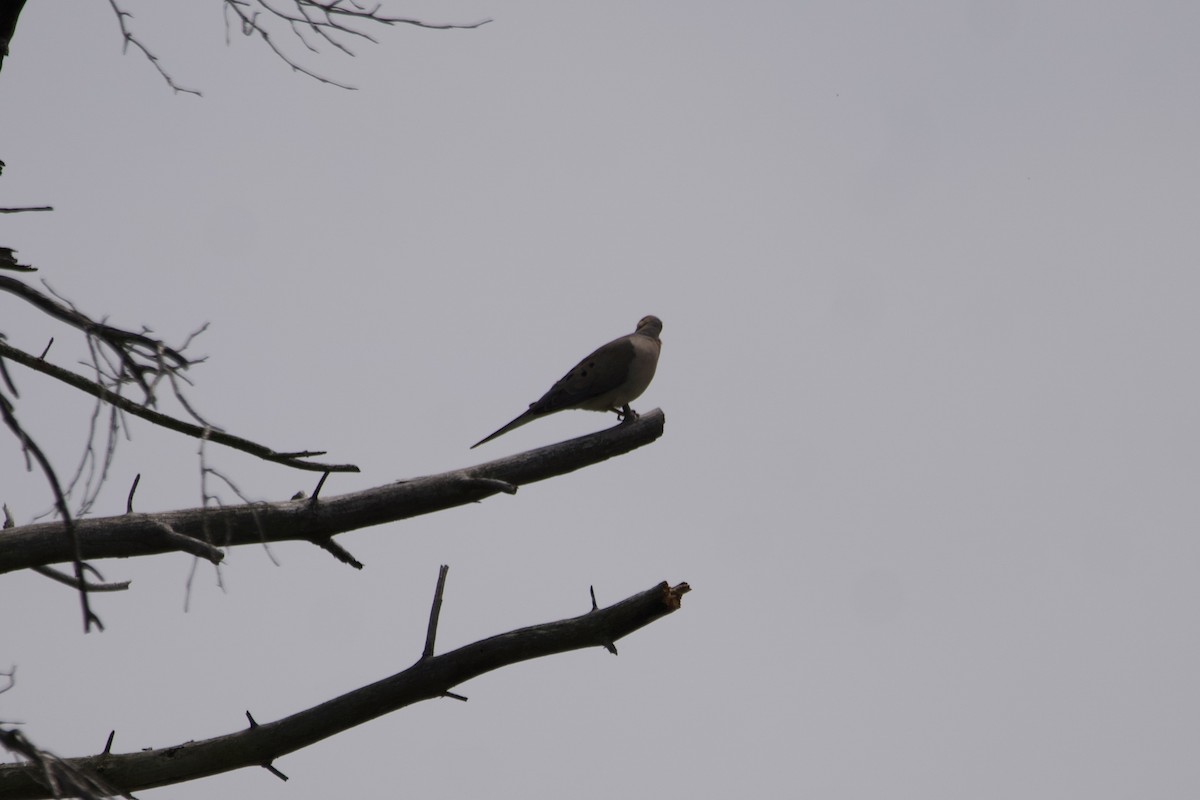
(608, 380)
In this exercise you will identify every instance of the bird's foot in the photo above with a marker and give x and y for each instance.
(626, 414)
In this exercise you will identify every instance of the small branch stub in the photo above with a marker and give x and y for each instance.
(129, 500)
(337, 551)
(316, 492)
(270, 767)
(609, 646)
(435, 612)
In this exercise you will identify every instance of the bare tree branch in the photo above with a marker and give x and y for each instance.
(435, 612)
(249, 25)
(132, 535)
(430, 677)
(291, 459)
(59, 777)
(63, 578)
(71, 537)
(332, 22)
(139, 354)
(130, 39)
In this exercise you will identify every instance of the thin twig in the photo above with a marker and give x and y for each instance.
(317, 491)
(290, 459)
(327, 20)
(8, 381)
(31, 449)
(130, 39)
(74, 583)
(129, 500)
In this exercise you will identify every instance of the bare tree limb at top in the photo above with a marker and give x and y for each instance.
(311, 22)
(332, 23)
(430, 677)
(302, 519)
(129, 39)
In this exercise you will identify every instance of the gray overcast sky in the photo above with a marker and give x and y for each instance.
(928, 278)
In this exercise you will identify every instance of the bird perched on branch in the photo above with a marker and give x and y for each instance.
(608, 380)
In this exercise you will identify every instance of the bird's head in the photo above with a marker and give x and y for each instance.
(649, 326)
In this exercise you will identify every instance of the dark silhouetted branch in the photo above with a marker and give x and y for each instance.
(69, 536)
(435, 612)
(102, 392)
(338, 552)
(8, 256)
(334, 23)
(262, 743)
(10, 11)
(60, 777)
(130, 39)
(63, 578)
(132, 535)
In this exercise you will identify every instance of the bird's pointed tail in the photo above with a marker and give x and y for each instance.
(528, 416)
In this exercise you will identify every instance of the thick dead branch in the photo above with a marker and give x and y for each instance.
(127, 535)
(61, 778)
(430, 677)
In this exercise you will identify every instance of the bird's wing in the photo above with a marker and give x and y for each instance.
(592, 381)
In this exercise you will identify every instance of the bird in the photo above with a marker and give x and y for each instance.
(609, 379)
